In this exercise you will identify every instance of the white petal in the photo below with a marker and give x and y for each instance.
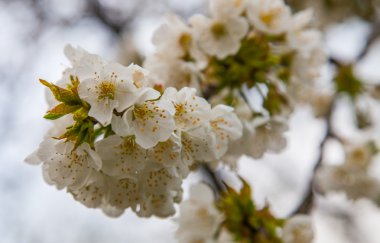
(154, 122)
(121, 157)
(121, 126)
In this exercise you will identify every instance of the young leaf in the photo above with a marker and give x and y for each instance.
(61, 94)
(60, 110)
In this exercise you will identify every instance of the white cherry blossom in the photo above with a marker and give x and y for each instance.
(110, 88)
(160, 186)
(299, 36)
(172, 72)
(93, 192)
(269, 16)
(191, 111)
(175, 40)
(122, 193)
(298, 229)
(122, 156)
(219, 36)
(71, 168)
(151, 118)
(197, 145)
(167, 153)
(263, 135)
(199, 219)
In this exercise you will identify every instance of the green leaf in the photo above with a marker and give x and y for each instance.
(63, 95)
(60, 110)
(79, 133)
(275, 101)
(244, 221)
(347, 82)
(81, 114)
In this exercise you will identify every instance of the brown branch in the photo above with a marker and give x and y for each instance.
(307, 202)
(374, 35)
(214, 178)
(95, 9)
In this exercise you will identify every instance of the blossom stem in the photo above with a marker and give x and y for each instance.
(373, 36)
(307, 202)
(216, 181)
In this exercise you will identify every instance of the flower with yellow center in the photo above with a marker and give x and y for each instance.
(220, 35)
(190, 109)
(269, 16)
(122, 157)
(67, 168)
(150, 120)
(113, 87)
(106, 90)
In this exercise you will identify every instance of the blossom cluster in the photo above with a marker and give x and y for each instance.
(118, 143)
(353, 175)
(201, 220)
(245, 49)
(200, 214)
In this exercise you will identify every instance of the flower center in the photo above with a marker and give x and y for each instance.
(185, 41)
(218, 30)
(269, 17)
(142, 112)
(129, 145)
(180, 108)
(106, 90)
(238, 3)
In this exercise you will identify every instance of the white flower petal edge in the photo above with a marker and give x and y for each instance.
(226, 127)
(199, 214)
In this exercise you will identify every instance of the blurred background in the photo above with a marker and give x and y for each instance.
(33, 35)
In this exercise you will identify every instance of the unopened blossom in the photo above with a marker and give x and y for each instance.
(269, 16)
(298, 229)
(199, 219)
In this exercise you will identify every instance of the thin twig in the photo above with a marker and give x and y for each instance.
(307, 203)
(214, 178)
(97, 10)
(373, 36)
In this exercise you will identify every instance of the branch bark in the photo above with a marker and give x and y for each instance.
(307, 203)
